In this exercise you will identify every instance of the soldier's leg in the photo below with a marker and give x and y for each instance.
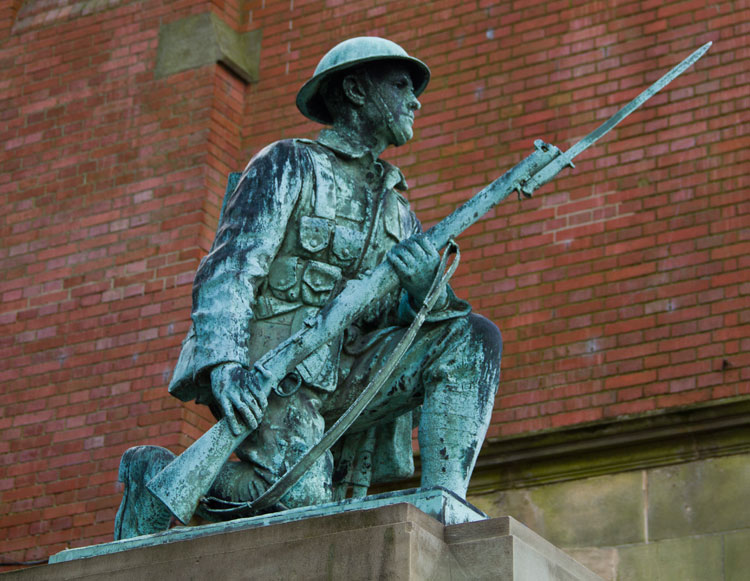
(452, 370)
(460, 390)
(290, 426)
(140, 513)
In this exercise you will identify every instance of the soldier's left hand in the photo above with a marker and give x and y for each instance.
(415, 261)
(239, 395)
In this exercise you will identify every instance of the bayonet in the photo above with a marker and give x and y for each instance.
(566, 158)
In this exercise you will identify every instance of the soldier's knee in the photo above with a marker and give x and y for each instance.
(482, 345)
(486, 333)
(481, 337)
(144, 462)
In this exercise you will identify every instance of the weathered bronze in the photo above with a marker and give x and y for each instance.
(307, 222)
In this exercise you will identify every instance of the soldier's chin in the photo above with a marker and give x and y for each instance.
(401, 135)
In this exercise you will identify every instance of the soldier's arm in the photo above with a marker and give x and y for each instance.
(226, 283)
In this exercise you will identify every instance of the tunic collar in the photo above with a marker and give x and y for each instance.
(345, 147)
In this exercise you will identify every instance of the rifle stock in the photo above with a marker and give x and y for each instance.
(182, 483)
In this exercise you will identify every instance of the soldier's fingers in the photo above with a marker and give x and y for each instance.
(414, 256)
(251, 403)
(409, 248)
(261, 398)
(428, 247)
(251, 422)
(396, 254)
(247, 415)
(422, 250)
(399, 264)
(249, 386)
(226, 407)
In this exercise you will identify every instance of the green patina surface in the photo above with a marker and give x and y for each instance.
(313, 294)
(441, 504)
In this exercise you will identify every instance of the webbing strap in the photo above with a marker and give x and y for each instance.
(325, 190)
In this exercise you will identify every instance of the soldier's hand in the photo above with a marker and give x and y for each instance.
(415, 261)
(240, 396)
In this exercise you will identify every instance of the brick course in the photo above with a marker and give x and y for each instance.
(620, 289)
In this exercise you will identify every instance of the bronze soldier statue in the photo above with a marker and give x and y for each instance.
(306, 217)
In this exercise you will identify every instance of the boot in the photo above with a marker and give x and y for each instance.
(140, 512)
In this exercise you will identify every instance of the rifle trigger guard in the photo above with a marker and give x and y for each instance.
(281, 389)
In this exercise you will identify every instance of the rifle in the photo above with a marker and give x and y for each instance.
(182, 483)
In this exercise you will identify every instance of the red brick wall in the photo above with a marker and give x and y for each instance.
(622, 288)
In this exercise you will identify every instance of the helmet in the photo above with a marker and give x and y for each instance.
(348, 54)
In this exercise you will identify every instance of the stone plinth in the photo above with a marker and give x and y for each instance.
(396, 541)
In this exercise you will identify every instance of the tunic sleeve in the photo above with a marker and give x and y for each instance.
(247, 240)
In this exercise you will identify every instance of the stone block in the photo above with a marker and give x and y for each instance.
(737, 556)
(700, 497)
(687, 559)
(395, 542)
(502, 548)
(602, 561)
(203, 39)
(601, 511)
(638, 563)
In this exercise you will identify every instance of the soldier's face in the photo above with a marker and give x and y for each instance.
(395, 87)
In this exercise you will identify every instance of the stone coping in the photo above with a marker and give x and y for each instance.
(439, 503)
(395, 541)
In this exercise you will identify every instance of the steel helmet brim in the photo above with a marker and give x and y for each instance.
(343, 57)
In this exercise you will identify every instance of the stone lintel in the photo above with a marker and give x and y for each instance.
(659, 439)
(204, 39)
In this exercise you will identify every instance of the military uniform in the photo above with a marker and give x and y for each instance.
(304, 218)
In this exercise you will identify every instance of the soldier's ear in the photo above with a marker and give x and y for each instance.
(354, 90)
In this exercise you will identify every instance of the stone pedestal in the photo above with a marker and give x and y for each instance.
(395, 541)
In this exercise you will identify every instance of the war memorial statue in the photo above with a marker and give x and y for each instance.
(306, 217)
(323, 329)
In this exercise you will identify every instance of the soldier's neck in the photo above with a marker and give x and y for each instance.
(359, 134)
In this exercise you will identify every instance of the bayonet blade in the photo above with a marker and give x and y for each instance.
(610, 123)
(565, 159)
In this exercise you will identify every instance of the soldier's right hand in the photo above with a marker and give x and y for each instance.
(240, 396)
